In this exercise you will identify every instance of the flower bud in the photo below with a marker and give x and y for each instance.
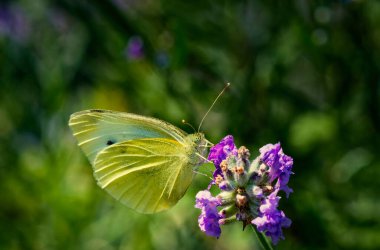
(240, 175)
(229, 220)
(226, 198)
(254, 192)
(263, 168)
(254, 167)
(224, 165)
(228, 211)
(268, 189)
(241, 200)
(218, 179)
(257, 191)
(243, 153)
(239, 170)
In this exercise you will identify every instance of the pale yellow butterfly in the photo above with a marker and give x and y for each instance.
(145, 163)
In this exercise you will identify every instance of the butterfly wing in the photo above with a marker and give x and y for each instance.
(96, 130)
(148, 175)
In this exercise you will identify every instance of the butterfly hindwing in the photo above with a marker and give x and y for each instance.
(148, 175)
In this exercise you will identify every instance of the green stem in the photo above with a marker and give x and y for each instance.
(265, 244)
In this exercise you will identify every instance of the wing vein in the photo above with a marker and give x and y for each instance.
(129, 171)
(163, 191)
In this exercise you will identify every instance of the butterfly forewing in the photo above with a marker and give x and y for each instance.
(97, 129)
(148, 175)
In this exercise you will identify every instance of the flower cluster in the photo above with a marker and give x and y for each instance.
(248, 190)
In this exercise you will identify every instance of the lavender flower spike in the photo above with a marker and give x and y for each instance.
(248, 190)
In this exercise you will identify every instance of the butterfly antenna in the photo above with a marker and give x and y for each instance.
(212, 105)
(188, 124)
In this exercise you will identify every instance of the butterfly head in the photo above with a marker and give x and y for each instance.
(198, 144)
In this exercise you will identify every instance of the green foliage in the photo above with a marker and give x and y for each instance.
(303, 73)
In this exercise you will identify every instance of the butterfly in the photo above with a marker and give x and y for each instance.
(145, 163)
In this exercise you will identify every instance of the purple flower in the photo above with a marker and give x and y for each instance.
(14, 23)
(272, 224)
(209, 219)
(135, 48)
(204, 199)
(220, 152)
(225, 186)
(271, 220)
(280, 165)
(270, 204)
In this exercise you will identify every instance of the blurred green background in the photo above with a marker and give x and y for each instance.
(306, 73)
